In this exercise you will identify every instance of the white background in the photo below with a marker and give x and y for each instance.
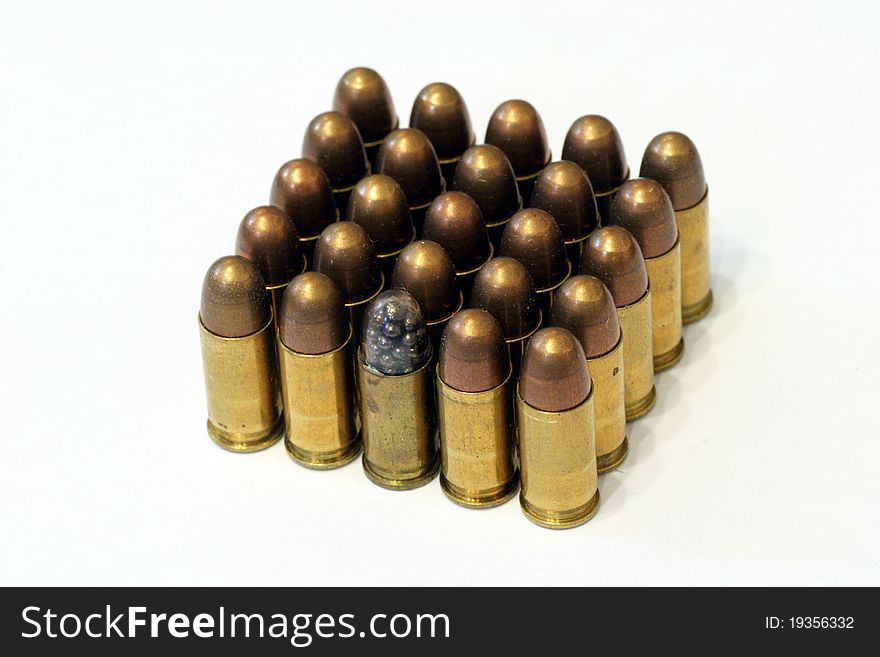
(136, 135)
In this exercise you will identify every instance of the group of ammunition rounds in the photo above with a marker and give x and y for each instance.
(476, 310)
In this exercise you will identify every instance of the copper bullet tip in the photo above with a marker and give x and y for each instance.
(407, 156)
(585, 307)
(533, 237)
(302, 190)
(485, 174)
(425, 270)
(394, 337)
(504, 288)
(594, 144)
(345, 253)
(378, 204)
(455, 222)
(333, 141)
(362, 94)
(644, 209)
(313, 319)
(440, 112)
(613, 256)
(267, 237)
(517, 129)
(564, 191)
(555, 376)
(473, 356)
(673, 160)
(234, 298)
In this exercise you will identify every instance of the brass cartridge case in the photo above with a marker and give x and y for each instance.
(693, 228)
(241, 384)
(638, 356)
(607, 372)
(557, 453)
(319, 413)
(398, 427)
(477, 445)
(664, 272)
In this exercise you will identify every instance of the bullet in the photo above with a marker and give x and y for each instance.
(425, 270)
(362, 94)
(317, 381)
(644, 209)
(533, 237)
(334, 143)
(557, 445)
(455, 222)
(485, 174)
(345, 253)
(613, 256)
(517, 129)
(441, 113)
(594, 144)
(397, 394)
(475, 412)
(302, 190)
(408, 157)
(504, 288)
(267, 237)
(379, 206)
(563, 190)
(585, 307)
(238, 355)
(673, 160)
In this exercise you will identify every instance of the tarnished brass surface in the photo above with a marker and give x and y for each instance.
(477, 444)
(241, 385)
(664, 272)
(693, 230)
(319, 414)
(638, 356)
(557, 453)
(608, 383)
(398, 427)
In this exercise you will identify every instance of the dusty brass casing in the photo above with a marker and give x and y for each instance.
(477, 445)
(319, 406)
(241, 384)
(638, 356)
(557, 455)
(398, 427)
(664, 273)
(608, 381)
(693, 231)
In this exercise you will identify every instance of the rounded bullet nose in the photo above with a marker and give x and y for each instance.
(533, 237)
(425, 270)
(313, 319)
(302, 190)
(504, 288)
(268, 238)
(407, 156)
(473, 356)
(594, 144)
(644, 209)
(555, 376)
(517, 129)
(440, 112)
(564, 191)
(363, 95)
(345, 253)
(673, 160)
(485, 174)
(234, 298)
(613, 256)
(394, 338)
(456, 223)
(379, 205)
(334, 143)
(585, 307)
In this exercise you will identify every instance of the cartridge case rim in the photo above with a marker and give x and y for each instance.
(611, 461)
(696, 311)
(327, 460)
(641, 408)
(389, 483)
(573, 518)
(665, 361)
